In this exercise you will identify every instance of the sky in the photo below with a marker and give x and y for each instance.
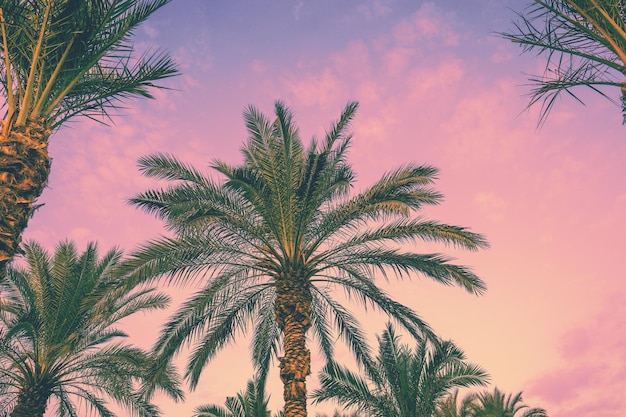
(435, 86)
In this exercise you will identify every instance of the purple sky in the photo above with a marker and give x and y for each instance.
(435, 87)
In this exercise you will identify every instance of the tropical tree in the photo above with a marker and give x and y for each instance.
(451, 406)
(60, 59)
(279, 237)
(584, 42)
(498, 404)
(404, 382)
(253, 402)
(59, 343)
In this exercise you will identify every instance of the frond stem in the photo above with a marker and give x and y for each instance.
(30, 87)
(7, 64)
(53, 77)
(616, 48)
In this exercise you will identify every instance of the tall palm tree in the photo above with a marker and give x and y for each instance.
(58, 339)
(585, 45)
(253, 402)
(404, 382)
(498, 404)
(60, 59)
(279, 237)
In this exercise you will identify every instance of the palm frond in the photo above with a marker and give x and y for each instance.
(57, 328)
(435, 266)
(62, 59)
(347, 326)
(345, 387)
(233, 320)
(406, 382)
(584, 43)
(168, 167)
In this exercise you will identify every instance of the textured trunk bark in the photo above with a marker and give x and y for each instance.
(293, 316)
(32, 402)
(24, 170)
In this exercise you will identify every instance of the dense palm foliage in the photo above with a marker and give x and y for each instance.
(498, 404)
(584, 41)
(253, 402)
(60, 59)
(59, 343)
(404, 382)
(279, 237)
(451, 406)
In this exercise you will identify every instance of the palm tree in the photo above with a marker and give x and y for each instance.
(58, 340)
(585, 45)
(250, 403)
(60, 59)
(450, 406)
(497, 404)
(279, 237)
(404, 382)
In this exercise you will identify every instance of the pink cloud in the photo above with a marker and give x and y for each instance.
(150, 31)
(397, 60)
(355, 60)
(428, 23)
(321, 88)
(373, 10)
(501, 55)
(258, 67)
(369, 91)
(592, 377)
(440, 77)
(492, 205)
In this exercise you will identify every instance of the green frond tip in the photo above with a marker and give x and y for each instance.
(584, 43)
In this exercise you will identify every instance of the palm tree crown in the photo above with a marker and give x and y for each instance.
(58, 340)
(404, 382)
(65, 58)
(279, 236)
(498, 404)
(451, 406)
(585, 43)
(60, 59)
(253, 402)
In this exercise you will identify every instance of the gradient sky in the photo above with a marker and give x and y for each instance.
(436, 86)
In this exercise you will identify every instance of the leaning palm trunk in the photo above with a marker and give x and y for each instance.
(24, 171)
(293, 316)
(32, 401)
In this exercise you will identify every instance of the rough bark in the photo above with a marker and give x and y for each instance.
(293, 316)
(32, 401)
(24, 171)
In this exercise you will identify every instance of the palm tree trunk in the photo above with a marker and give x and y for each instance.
(293, 316)
(32, 401)
(24, 170)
